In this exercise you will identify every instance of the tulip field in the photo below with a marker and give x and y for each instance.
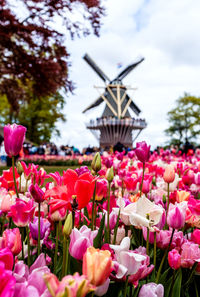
(129, 226)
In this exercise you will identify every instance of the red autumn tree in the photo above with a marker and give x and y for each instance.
(32, 51)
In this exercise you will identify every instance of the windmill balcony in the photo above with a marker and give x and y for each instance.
(112, 121)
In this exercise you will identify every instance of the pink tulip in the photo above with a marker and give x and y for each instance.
(70, 285)
(196, 236)
(13, 139)
(174, 259)
(151, 290)
(7, 258)
(190, 253)
(142, 151)
(80, 240)
(101, 189)
(22, 212)
(36, 193)
(169, 174)
(29, 281)
(176, 216)
(7, 282)
(194, 206)
(12, 240)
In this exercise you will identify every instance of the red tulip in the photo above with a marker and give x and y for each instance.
(13, 139)
(81, 187)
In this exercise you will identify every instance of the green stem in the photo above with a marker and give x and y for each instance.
(14, 178)
(56, 247)
(125, 287)
(20, 183)
(147, 243)
(93, 203)
(28, 242)
(108, 213)
(167, 199)
(191, 274)
(65, 256)
(38, 229)
(164, 256)
(142, 179)
(22, 239)
(172, 283)
(154, 252)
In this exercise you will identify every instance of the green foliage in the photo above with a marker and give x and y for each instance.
(38, 115)
(184, 120)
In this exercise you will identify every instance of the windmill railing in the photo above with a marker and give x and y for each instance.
(135, 123)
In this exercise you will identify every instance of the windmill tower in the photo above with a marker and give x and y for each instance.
(115, 124)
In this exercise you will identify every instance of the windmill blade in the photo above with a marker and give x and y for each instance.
(96, 68)
(94, 104)
(128, 69)
(135, 108)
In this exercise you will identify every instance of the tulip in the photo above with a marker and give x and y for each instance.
(36, 193)
(12, 240)
(7, 258)
(30, 281)
(44, 226)
(174, 259)
(190, 253)
(142, 151)
(7, 282)
(169, 174)
(70, 285)
(194, 206)
(13, 139)
(97, 265)
(196, 236)
(101, 189)
(176, 216)
(22, 212)
(80, 240)
(96, 162)
(151, 290)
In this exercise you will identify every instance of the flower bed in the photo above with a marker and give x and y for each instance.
(129, 227)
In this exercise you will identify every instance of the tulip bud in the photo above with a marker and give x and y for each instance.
(169, 174)
(164, 198)
(96, 162)
(20, 169)
(67, 229)
(110, 174)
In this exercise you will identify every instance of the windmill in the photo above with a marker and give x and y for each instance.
(115, 124)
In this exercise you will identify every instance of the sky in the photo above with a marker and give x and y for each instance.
(166, 34)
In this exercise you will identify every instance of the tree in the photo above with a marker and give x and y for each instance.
(39, 115)
(31, 49)
(184, 120)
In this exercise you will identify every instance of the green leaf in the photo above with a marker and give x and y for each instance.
(164, 276)
(116, 227)
(98, 239)
(177, 284)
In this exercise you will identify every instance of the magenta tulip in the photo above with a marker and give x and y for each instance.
(142, 151)
(7, 258)
(14, 136)
(36, 193)
(7, 282)
(174, 259)
(22, 212)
